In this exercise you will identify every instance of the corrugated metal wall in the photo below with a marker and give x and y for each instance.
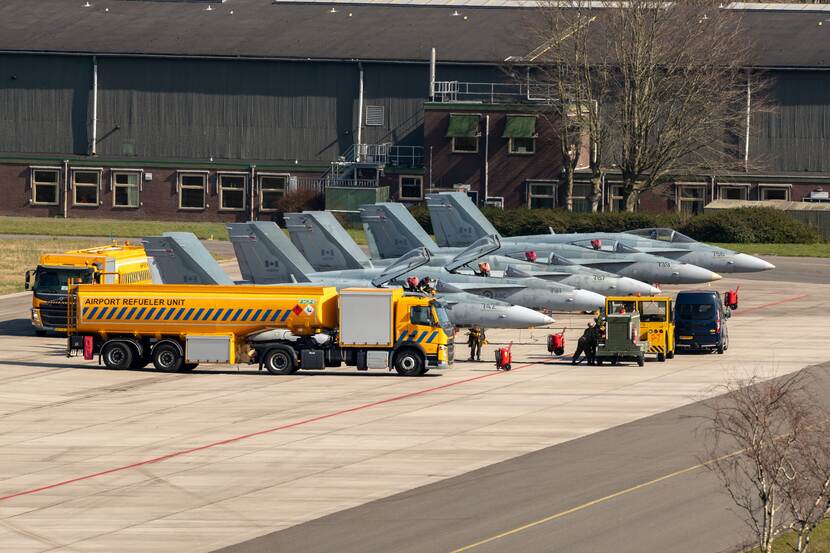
(795, 136)
(196, 109)
(43, 104)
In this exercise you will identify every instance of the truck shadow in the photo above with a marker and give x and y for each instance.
(17, 327)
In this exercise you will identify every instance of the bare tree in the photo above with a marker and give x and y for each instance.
(663, 80)
(769, 444)
(567, 68)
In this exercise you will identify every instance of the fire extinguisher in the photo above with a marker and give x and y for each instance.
(556, 342)
(730, 298)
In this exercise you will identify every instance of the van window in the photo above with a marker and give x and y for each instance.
(696, 311)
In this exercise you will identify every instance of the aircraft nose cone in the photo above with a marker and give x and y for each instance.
(745, 263)
(585, 300)
(632, 286)
(523, 317)
(692, 274)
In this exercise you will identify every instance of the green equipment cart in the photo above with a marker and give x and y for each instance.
(621, 340)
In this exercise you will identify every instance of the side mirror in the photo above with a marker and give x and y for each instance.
(28, 284)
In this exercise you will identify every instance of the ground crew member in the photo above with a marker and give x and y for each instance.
(426, 286)
(476, 339)
(587, 343)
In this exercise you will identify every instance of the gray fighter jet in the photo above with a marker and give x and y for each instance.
(181, 258)
(457, 221)
(390, 227)
(267, 255)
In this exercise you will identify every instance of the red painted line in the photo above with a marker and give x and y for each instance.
(227, 441)
(771, 304)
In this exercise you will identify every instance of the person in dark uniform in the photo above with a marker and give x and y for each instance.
(587, 343)
(476, 339)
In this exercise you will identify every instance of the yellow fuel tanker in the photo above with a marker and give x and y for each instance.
(281, 328)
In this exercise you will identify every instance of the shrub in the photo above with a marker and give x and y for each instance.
(750, 224)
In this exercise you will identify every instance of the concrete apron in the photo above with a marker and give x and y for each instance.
(145, 461)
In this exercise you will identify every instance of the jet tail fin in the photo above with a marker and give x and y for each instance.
(392, 230)
(324, 242)
(456, 220)
(180, 258)
(266, 255)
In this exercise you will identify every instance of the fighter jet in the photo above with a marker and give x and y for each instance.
(457, 221)
(390, 227)
(266, 254)
(181, 258)
(670, 243)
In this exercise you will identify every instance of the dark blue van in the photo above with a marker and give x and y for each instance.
(700, 321)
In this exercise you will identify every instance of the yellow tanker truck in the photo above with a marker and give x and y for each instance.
(281, 328)
(122, 263)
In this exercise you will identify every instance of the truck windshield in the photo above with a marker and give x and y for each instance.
(51, 280)
(653, 312)
(443, 318)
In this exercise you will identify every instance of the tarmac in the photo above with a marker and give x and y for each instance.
(99, 460)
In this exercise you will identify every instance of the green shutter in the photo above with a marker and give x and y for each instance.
(520, 126)
(463, 125)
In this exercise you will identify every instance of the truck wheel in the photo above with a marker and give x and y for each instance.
(661, 357)
(40, 332)
(409, 363)
(189, 366)
(641, 360)
(721, 349)
(278, 361)
(117, 355)
(670, 355)
(166, 357)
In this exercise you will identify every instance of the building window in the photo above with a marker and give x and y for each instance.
(582, 197)
(192, 190)
(271, 189)
(733, 192)
(411, 187)
(125, 188)
(85, 186)
(463, 129)
(232, 191)
(522, 145)
(520, 130)
(541, 195)
(374, 116)
(616, 201)
(774, 192)
(45, 186)
(691, 198)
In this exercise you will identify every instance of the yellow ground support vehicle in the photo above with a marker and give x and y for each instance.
(104, 264)
(281, 328)
(656, 320)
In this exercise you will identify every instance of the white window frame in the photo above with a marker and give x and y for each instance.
(220, 189)
(679, 200)
(586, 197)
(612, 197)
(113, 186)
(180, 187)
(554, 192)
(766, 187)
(513, 152)
(457, 151)
(420, 180)
(261, 192)
(742, 186)
(74, 185)
(56, 185)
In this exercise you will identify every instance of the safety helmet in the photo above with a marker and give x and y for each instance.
(530, 256)
(484, 266)
(412, 281)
